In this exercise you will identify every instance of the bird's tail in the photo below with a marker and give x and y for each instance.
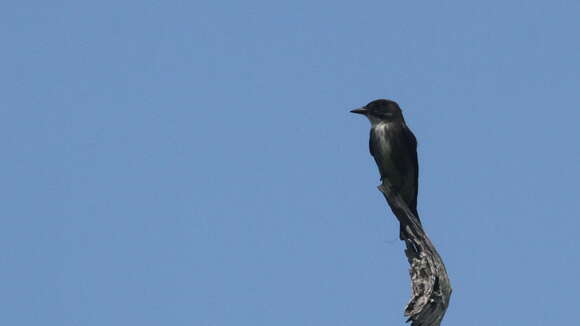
(402, 231)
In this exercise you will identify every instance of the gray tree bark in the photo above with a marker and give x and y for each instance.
(431, 288)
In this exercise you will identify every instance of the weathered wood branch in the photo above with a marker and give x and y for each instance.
(430, 284)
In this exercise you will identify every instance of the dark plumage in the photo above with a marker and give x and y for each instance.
(394, 148)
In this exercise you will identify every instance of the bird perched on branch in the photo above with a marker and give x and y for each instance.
(394, 148)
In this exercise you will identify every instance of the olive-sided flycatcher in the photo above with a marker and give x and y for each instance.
(394, 148)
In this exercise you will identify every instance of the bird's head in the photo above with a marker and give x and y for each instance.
(381, 111)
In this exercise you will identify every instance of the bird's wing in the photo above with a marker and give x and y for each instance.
(405, 158)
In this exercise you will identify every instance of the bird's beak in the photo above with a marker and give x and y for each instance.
(362, 111)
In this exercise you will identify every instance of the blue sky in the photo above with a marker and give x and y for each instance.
(194, 163)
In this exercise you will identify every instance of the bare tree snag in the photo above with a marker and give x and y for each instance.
(431, 288)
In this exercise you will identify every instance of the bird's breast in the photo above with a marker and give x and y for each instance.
(382, 137)
(383, 148)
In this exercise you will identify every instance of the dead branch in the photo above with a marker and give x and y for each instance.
(430, 284)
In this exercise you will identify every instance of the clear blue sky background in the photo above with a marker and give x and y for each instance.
(194, 163)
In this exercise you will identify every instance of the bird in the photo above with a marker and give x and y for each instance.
(394, 148)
